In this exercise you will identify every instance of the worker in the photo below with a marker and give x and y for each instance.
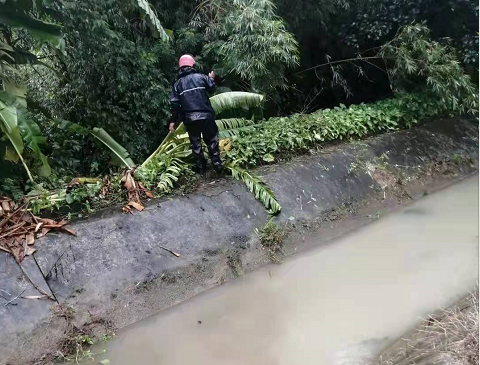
(190, 103)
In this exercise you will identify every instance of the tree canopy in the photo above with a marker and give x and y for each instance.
(86, 84)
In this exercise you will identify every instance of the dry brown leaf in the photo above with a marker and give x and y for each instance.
(136, 205)
(45, 230)
(148, 193)
(129, 182)
(6, 206)
(38, 226)
(30, 239)
(27, 218)
(29, 251)
(48, 221)
(69, 230)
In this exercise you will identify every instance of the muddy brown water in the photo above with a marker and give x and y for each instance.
(339, 304)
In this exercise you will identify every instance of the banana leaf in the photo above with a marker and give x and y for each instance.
(235, 100)
(233, 126)
(12, 14)
(119, 152)
(255, 185)
(33, 138)
(148, 14)
(9, 126)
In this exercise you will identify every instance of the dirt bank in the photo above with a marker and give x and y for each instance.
(116, 273)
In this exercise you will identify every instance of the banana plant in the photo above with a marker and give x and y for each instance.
(20, 130)
(17, 14)
(173, 156)
(120, 154)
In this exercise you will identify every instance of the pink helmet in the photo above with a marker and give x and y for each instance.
(186, 60)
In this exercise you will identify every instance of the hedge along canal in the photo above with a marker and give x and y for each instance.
(116, 273)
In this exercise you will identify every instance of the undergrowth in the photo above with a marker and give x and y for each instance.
(248, 144)
(279, 136)
(271, 237)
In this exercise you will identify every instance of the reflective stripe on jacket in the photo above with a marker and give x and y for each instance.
(189, 96)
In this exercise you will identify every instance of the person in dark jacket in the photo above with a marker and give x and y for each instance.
(190, 103)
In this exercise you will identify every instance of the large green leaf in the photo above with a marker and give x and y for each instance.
(9, 125)
(33, 138)
(172, 139)
(17, 90)
(119, 152)
(233, 126)
(152, 20)
(235, 100)
(14, 14)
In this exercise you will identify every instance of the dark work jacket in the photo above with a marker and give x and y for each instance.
(189, 99)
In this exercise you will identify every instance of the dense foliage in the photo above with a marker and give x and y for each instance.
(89, 80)
(280, 135)
(112, 78)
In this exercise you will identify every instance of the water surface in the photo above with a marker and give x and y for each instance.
(336, 305)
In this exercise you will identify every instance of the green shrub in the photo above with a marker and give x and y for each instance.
(299, 132)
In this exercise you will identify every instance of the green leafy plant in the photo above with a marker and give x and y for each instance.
(271, 237)
(152, 20)
(120, 153)
(416, 56)
(281, 136)
(246, 38)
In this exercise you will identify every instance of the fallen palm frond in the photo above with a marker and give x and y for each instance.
(255, 185)
(174, 168)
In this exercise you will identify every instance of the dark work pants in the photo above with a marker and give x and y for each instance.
(209, 130)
